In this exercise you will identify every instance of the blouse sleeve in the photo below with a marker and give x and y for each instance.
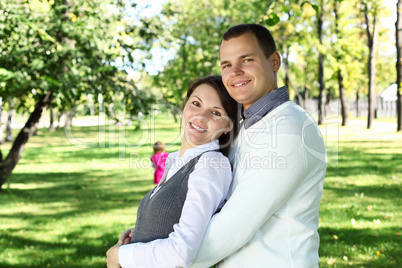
(152, 161)
(208, 187)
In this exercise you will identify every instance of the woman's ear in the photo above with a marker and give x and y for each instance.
(228, 129)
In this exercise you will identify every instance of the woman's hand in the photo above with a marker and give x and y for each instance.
(125, 237)
(112, 259)
(128, 239)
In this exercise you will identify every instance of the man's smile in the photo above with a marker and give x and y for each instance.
(241, 83)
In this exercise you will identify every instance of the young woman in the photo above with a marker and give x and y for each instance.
(173, 217)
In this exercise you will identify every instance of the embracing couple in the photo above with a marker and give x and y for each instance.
(236, 194)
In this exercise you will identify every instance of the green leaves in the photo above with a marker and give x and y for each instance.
(69, 47)
(272, 20)
(5, 74)
(313, 4)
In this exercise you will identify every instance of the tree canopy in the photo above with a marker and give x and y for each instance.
(62, 53)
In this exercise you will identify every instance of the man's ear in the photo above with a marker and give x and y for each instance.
(276, 61)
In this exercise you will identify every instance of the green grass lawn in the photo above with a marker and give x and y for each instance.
(73, 193)
(360, 212)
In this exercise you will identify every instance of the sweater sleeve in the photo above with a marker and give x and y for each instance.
(207, 187)
(263, 187)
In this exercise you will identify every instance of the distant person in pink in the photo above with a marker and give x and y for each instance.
(158, 160)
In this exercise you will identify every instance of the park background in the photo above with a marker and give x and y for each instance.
(86, 88)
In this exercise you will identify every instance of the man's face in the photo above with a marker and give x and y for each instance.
(246, 73)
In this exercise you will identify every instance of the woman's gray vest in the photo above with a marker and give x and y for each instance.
(157, 215)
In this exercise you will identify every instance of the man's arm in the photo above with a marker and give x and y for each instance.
(259, 193)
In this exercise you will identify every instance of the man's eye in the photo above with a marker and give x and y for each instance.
(225, 66)
(248, 60)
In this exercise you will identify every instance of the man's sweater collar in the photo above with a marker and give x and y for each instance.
(264, 105)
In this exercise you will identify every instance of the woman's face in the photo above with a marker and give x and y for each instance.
(204, 118)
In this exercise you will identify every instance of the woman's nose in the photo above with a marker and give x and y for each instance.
(203, 115)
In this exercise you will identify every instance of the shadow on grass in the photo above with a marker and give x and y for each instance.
(84, 152)
(353, 162)
(77, 187)
(363, 187)
(63, 196)
(349, 242)
(376, 191)
(81, 202)
(80, 191)
(65, 254)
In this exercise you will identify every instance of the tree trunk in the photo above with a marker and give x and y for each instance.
(306, 98)
(285, 62)
(342, 90)
(299, 97)
(344, 100)
(398, 30)
(59, 115)
(51, 114)
(372, 40)
(69, 120)
(9, 163)
(327, 101)
(1, 121)
(9, 136)
(322, 95)
(357, 104)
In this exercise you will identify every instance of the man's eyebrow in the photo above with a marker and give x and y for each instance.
(246, 55)
(224, 62)
(241, 57)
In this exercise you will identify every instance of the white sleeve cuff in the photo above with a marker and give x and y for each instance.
(126, 256)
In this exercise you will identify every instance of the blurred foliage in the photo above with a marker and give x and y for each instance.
(79, 49)
(69, 48)
(189, 32)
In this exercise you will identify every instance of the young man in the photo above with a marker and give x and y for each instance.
(279, 164)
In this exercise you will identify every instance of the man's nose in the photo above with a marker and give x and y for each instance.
(237, 70)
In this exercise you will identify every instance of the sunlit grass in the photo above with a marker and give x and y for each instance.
(360, 217)
(73, 193)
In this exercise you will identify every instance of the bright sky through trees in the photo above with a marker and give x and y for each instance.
(161, 57)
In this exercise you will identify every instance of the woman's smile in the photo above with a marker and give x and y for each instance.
(197, 128)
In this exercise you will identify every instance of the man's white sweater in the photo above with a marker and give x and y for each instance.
(271, 217)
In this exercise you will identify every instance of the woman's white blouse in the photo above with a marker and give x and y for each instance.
(208, 186)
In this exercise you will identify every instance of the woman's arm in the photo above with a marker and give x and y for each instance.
(208, 186)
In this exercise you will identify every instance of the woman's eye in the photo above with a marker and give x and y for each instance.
(196, 103)
(216, 113)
